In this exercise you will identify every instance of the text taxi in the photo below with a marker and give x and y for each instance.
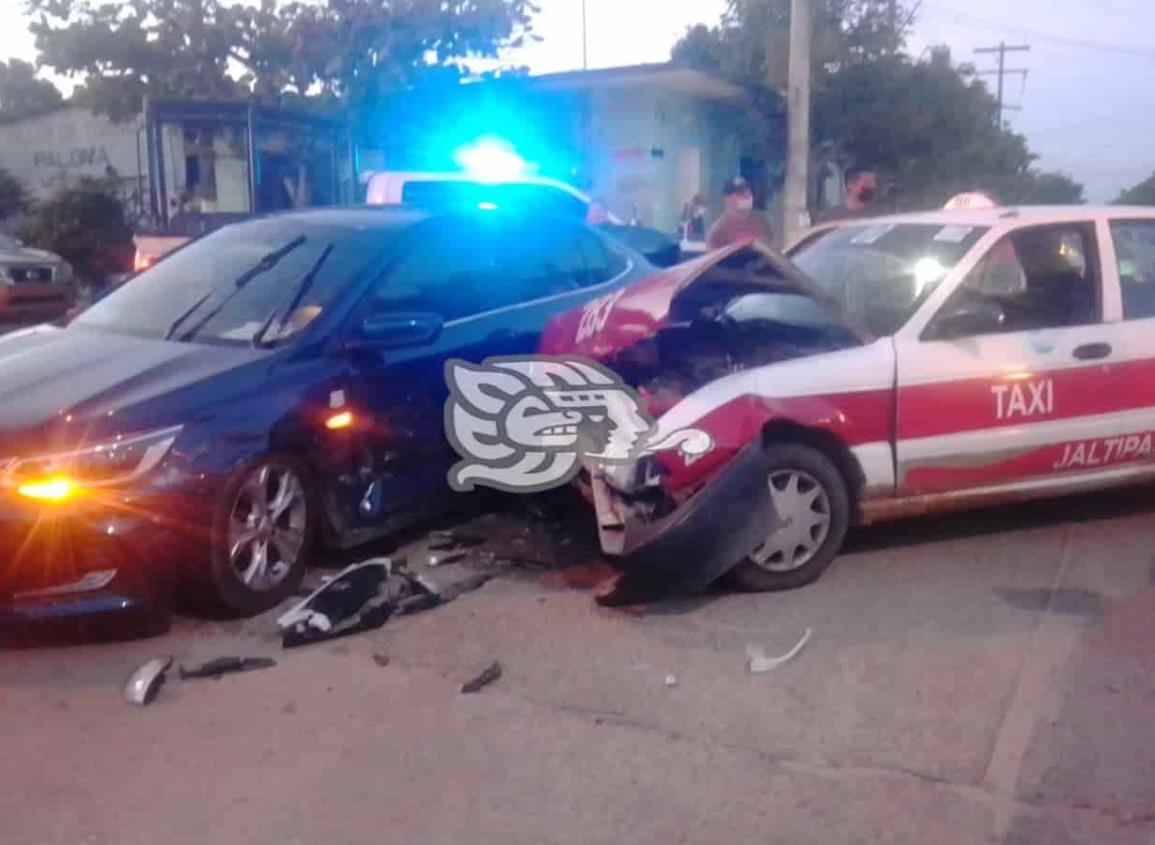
(888, 367)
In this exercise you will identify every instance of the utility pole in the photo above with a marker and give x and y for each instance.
(1003, 71)
(797, 189)
(585, 42)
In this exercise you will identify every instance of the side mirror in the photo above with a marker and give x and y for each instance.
(965, 319)
(397, 330)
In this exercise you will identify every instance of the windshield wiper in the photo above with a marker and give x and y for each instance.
(188, 312)
(303, 287)
(266, 264)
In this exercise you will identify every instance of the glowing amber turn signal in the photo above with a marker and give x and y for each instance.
(49, 490)
(339, 421)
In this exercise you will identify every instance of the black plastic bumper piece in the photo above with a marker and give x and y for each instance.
(703, 539)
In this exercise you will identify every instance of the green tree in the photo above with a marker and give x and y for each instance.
(1038, 187)
(926, 126)
(12, 198)
(22, 94)
(274, 50)
(1141, 194)
(85, 223)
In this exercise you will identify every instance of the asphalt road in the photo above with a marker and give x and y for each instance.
(982, 678)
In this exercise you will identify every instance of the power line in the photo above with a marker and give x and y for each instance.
(1002, 72)
(1049, 37)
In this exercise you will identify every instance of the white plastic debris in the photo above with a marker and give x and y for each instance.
(759, 662)
(671, 680)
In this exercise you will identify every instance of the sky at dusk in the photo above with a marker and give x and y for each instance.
(1087, 104)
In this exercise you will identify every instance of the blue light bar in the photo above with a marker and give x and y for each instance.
(490, 160)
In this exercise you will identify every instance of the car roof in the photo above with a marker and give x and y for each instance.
(358, 216)
(466, 176)
(997, 214)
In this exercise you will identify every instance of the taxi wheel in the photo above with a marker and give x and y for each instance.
(812, 512)
(264, 534)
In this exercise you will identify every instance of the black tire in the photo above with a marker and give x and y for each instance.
(221, 589)
(782, 459)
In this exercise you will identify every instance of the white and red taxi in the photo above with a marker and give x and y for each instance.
(889, 367)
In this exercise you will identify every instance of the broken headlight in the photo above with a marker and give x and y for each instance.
(632, 477)
(61, 475)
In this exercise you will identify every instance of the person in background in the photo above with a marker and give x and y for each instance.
(596, 214)
(694, 219)
(861, 191)
(739, 220)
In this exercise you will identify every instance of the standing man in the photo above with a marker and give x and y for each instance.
(739, 220)
(861, 190)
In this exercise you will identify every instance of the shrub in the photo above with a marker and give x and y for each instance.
(11, 195)
(85, 224)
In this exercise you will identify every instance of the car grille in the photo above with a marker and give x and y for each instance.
(30, 275)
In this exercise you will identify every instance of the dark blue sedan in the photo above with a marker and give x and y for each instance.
(270, 389)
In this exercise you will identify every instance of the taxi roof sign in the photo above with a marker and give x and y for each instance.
(970, 200)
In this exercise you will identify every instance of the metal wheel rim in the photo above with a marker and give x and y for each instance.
(267, 524)
(801, 523)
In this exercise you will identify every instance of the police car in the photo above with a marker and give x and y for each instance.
(888, 367)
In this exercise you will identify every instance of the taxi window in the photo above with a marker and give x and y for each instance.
(1038, 278)
(1135, 252)
(880, 272)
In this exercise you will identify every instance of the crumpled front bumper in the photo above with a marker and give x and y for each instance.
(701, 538)
(60, 563)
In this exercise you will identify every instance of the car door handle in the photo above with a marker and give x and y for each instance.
(1092, 351)
(500, 335)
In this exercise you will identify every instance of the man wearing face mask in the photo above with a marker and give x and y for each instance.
(861, 190)
(739, 220)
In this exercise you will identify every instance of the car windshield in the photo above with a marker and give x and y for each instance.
(262, 281)
(881, 273)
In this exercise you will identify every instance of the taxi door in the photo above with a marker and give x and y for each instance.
(1015, 378)
(1129, 254)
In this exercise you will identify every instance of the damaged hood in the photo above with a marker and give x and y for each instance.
(606, 326)
(99, 380)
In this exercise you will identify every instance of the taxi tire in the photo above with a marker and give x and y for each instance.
(221, 591)
(749, 576)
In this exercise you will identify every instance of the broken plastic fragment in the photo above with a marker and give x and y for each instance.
(146, 681)
(226, 666)
(759, 662)
(487, 677)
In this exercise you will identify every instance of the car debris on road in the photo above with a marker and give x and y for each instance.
(364, 596)
(490, 674)
(145, 683)
(221, 666)
(360, 598)
(440, 558)
(759, 662)
(452, 540)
